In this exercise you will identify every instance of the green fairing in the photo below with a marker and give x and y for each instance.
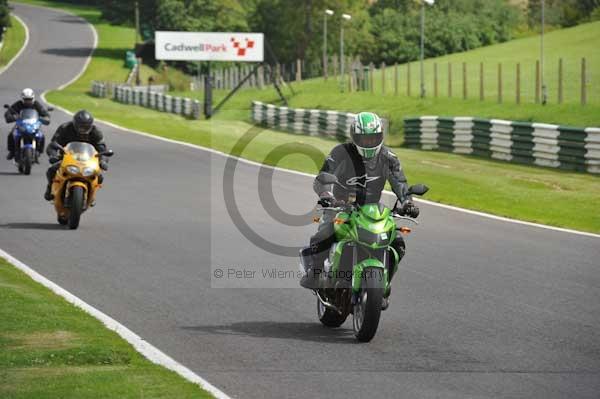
(357, 273)
(375, 221)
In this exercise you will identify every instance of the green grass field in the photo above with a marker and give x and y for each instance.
(14, 39)
(51, 349)
(523, 192)
(571, 44)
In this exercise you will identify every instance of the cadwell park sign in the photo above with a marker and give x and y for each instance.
(209, 46)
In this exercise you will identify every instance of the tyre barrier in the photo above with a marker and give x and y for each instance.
(150, 99)
(540, 144)
(312, 122)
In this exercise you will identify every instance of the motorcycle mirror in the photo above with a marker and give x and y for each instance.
(50, 109)
(327, 178)
(418, 189)
(6, 106)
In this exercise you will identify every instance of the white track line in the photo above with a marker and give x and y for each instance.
(149, 351)
(5, 67)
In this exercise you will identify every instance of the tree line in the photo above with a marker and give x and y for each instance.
(379, 31)
(4, 17)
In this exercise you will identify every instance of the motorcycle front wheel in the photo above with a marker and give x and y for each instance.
(367, 310)
(27, 160)
(77, 198)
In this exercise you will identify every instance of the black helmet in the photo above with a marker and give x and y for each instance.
(83, 122)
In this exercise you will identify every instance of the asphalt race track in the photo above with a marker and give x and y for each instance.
(480, 308)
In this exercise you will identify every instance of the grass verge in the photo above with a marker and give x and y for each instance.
(52, 349)
(14, 39)
(529, 193)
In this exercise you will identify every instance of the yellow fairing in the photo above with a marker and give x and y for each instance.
(80, 167)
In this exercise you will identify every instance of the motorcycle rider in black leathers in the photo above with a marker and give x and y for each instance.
(81, 128)
(363, 167)
(12, 114)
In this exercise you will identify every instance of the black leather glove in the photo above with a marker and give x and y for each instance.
(410, 209)
(53, 159)
(103, 165)
(326, 200)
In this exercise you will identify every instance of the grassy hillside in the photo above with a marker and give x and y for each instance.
(570, 44)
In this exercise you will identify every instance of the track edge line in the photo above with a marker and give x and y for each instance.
(145, 348)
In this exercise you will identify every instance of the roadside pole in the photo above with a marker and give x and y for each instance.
(207, 91)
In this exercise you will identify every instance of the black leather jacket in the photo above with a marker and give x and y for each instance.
(13, 112)
(364, 178)
(66, 133)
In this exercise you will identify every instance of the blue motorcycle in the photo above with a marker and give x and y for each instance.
(29, 139)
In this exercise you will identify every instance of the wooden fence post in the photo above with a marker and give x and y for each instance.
(518, 93)
(260, 77)
(350, 80)
(298, 70)
(383, 78)
(481, 83)
(335, 65)
(371, 78)
(435, 79)
(583, 82)
(396, 79)
(408, 79)
(500, 83)
(449, 80)
(464, 70)
(537, 82)
(560, 81)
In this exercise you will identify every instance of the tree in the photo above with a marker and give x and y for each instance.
(4, 17)
(561, 12)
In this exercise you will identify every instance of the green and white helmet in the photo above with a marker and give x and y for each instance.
(367, 134)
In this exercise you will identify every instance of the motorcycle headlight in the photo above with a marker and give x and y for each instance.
(72, 169)
(88, 171)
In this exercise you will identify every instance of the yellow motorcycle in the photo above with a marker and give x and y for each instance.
(76, 182)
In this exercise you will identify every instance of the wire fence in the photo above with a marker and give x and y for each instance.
(563, 80)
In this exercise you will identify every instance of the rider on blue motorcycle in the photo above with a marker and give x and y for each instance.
(27, 101)
(363, 167)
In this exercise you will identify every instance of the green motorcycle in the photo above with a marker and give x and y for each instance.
(356, 275)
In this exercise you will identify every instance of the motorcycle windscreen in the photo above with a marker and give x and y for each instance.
(81, 151)
(29, 116)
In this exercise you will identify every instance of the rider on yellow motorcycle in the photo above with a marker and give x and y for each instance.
(81, 128)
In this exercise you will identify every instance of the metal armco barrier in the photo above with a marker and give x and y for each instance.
(150, 99)
(528, 143)
(312, 122)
